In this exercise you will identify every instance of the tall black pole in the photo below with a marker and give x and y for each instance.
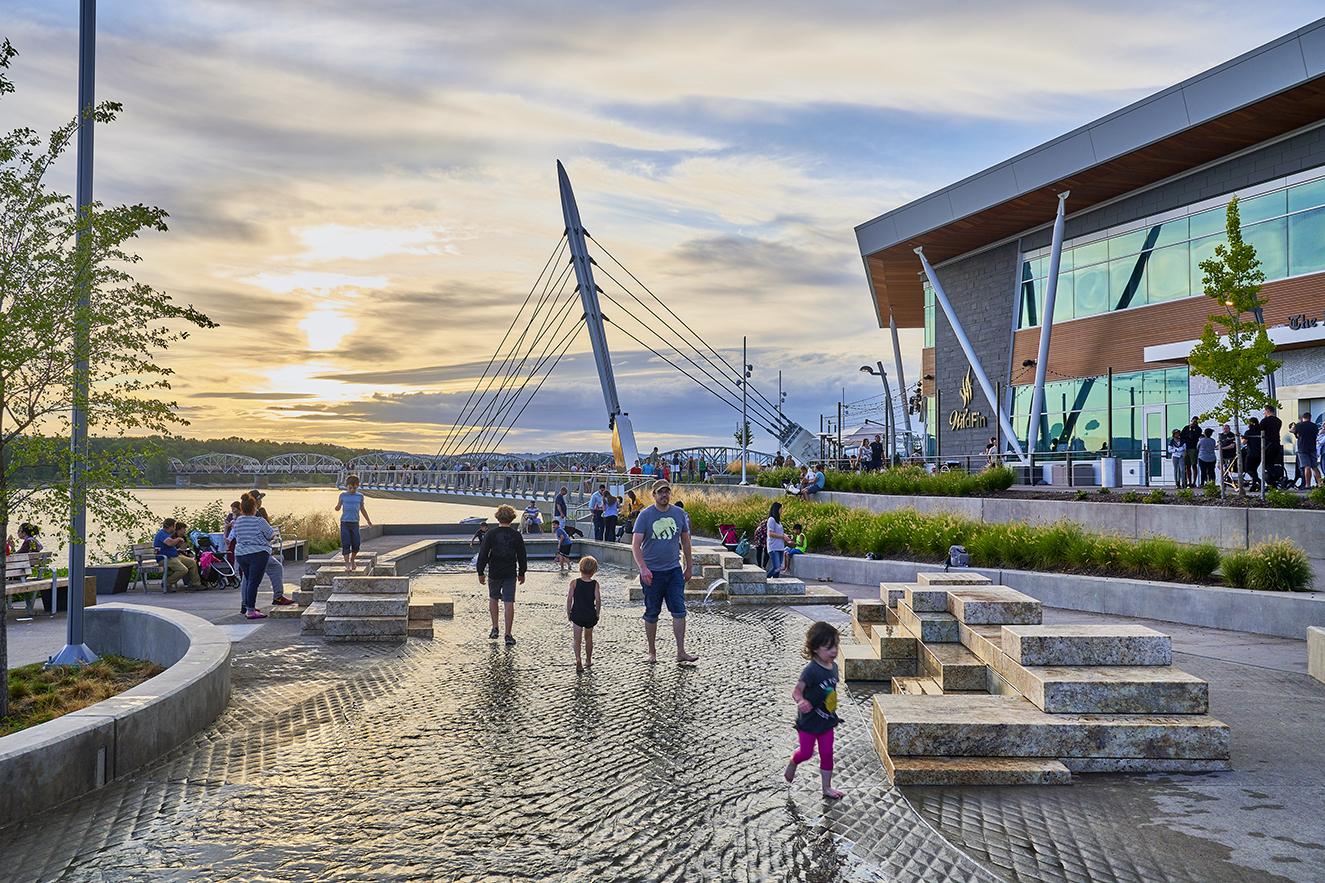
(75, 652)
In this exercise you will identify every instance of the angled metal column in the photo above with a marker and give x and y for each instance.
(901, 381)
(623, 432)
(978, 369)
(1038, 426)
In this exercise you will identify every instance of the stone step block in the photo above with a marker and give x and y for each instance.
(700, 586)
(730, 561)
(342, 604)
(860, 664)
(862, 631)
(1109, 689)
(747, 574)
(994, 605)
(920, 685)
(371, 585)
(925, 600)
(364, 626)
(284, 611)
(938, 578)
(985, 641)
(419, 629)
(427, 607)
(953, 666)
(636, 593)
(706, 558)
(310, 622)
(931, 628)
(891, 593)
(977, 771)
(1087, 645)
(303, 598)
(307, 581)
(979, 725)
(892, 642)
(321, 592)
(784, 585)
(868, 610)
(712, 571)
(365, 639)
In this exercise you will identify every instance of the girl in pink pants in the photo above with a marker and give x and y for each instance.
(816, 704)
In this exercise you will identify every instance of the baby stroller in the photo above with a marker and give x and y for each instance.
(216, 571)
(727, 533)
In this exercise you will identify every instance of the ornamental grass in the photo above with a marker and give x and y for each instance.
(901, 480)
(1062, 547)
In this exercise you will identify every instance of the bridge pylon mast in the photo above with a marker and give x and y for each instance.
(623, 434)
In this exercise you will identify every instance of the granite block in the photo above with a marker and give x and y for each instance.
(1146, 765)
(374, 585)
(712, 571)
(861, 631)
(931, 628)
(860, 664)
(940, 579)
(748, 574)
(342, 604)
(785, 585)
(1109, 689)
(310, 621)
(705, 559)
(891, 593)
(419, 629)
(285, 611)
(977, 725)
(1316, 653)
(364, 626)
(977, 771)
(868, 610)
(920, 685)
(813, 595)
(1086, 645)
(953, 666)
(995, 605)
(892, 642)
(923, 600)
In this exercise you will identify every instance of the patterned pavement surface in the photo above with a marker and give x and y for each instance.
(459, 759)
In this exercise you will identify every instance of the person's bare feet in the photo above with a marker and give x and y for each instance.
(650, 658)
(789, 773)
(686, 657)
(834, 794)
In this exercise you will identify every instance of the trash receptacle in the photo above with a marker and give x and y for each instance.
(1111, 472)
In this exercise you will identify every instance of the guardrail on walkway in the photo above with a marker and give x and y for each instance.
(515, 486)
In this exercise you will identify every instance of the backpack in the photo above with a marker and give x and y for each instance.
(743, 547)
(958, 557)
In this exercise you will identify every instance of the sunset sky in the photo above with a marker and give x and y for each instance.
(362, 193)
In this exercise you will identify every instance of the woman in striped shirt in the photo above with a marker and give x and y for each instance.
(252, 536)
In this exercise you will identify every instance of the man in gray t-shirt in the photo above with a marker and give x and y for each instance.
(661, 539)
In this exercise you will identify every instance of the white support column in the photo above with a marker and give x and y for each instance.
(1046, 327)
(901, 381)
(978, 369)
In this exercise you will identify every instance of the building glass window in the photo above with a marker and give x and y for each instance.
(1077, 410)
(929, 315)
(1161, 262)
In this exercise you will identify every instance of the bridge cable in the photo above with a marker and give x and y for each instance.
(560, 246)
(454, 440)
(570, 337)
(737, 374)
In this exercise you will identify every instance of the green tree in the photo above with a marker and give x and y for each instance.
(132, 325)
(1235, 351)
(743, 435)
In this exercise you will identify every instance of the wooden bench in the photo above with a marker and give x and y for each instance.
(145, 556)
(26, 575)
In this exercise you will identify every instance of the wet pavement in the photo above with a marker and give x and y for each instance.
(459, 759)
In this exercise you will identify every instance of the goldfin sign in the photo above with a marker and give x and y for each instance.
(964, 417)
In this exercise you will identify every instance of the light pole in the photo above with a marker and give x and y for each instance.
(782, 398)
(888, 408)
(75, 652)
(747, 368)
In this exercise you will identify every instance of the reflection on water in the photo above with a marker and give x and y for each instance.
(466, 760)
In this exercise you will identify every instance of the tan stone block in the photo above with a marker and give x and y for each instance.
(994, 605)
(1118, 644)
(937, 578)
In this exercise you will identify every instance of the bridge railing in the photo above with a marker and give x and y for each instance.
(514, 486)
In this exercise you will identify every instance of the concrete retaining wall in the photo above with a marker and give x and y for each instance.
(613, 554)
(408, 559)
(48, 764)
(1282, 614)
(1226, 528)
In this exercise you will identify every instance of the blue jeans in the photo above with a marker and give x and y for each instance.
(275, 568)
(349, 537)
(775, 562)
(251, 567)
(669, 586)
(598, 525)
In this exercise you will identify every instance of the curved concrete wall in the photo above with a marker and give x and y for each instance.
(48, 764)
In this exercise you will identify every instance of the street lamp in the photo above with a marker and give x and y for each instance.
(747, 370)
(782, 400)
(888, 409)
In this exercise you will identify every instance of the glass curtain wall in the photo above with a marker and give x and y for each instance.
(1162, 262)
(1077, 410)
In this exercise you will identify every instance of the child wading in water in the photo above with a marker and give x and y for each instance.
(816, 703)
(563, 545)
(583, 603)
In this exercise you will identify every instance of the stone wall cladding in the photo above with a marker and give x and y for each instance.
(981, 288)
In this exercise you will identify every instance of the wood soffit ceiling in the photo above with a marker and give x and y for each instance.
(894, 271)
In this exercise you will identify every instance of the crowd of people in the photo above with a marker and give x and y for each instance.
(1248, 459)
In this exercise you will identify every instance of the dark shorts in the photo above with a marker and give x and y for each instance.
(349, 537)
(501, 588)
(1306, 459)
(668, 586)
(564, 550)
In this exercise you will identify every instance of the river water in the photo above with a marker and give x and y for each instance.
(278, 501)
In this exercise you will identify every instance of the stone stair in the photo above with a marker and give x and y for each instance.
(983, 693)
(367, 608)
(745, 583)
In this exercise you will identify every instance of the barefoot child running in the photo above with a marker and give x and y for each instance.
(816, 703)
(563, 545)
(584, 601)
(350, 506)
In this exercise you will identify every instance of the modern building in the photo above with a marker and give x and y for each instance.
(1148, 186)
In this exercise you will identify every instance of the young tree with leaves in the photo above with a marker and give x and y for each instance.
(743, 435)
(1235, 351)
(131, 324)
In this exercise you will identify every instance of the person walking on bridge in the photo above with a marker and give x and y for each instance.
(661, 546)
(502, 555)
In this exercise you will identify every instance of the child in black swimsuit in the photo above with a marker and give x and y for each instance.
(583, 604)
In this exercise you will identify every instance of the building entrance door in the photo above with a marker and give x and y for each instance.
(1155, 440)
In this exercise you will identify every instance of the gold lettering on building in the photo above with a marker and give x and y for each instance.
(964, 417)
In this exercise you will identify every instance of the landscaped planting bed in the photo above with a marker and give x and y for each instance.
(38, 694)
(1065, 547)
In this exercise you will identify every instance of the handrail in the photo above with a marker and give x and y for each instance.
(537, 486)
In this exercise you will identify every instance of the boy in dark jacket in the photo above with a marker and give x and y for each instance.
(502, 556)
